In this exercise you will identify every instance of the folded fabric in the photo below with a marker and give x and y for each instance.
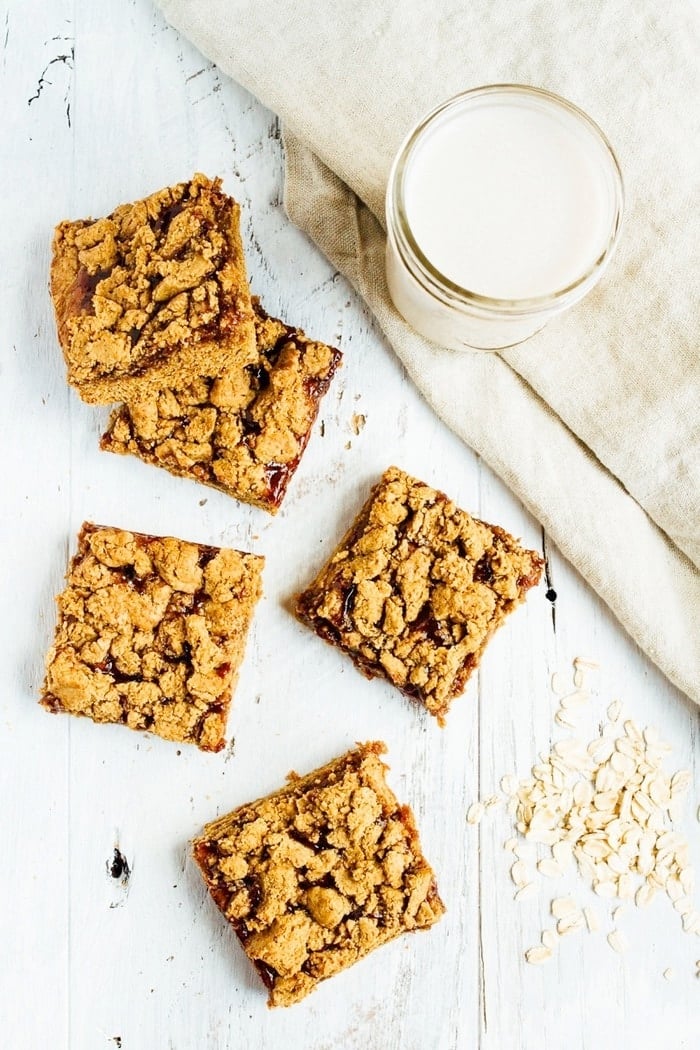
(594, 421)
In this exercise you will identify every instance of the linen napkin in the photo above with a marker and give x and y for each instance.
(594, 422)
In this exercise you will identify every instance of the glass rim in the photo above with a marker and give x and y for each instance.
(435, 282)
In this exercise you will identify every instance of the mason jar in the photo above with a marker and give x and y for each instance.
(503, 209)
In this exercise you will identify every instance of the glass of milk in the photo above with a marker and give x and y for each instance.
(503, 209)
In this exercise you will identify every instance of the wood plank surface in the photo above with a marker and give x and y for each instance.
(104, 103)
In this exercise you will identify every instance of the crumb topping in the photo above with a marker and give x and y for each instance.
(318, 874)
(149, 292)
(151, 633)
(416, 589)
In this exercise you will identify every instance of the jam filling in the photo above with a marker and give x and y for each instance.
(161, 224)
(85, 286)
(278, 476)
(348, 604)
(483, 570)
(317, 386)
(259, 377)
(268, 973)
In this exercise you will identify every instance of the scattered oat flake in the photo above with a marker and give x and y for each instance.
(614, 710)
(687, 879)
(526, 891)
(674, 889)
(537, 956)
(570, 923)
(644, 895)
(683, 906)
(509, 784)
(562, 853)
(584, 661)
(651, 736)
(518, 873)
(562, 906)
(491, 801)
(549, 867)
(575, 699)
(625, 887)
(617, 913)
(617, 941)
(680, 782)
(691, 921)
(549, 939)
(579, 677)
(558, 683)
(561, 720)
(669, 974)
(475, 813)
(510, 845)
(591, 920)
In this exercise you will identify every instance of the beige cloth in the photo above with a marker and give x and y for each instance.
(595, 422)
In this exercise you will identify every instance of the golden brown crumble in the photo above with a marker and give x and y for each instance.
(151, 633)
(242, 430)
(145, 295)
(416, 589)
(317, 875)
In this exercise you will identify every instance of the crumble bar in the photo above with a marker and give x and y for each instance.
(153, 293)
(242, 430)
(151, 633)
(320, 873)
(416, 588)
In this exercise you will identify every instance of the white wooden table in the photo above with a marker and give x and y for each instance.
(104, 103)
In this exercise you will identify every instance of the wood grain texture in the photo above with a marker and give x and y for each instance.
(104, 103)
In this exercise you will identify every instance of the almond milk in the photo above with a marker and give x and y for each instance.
(502, 211)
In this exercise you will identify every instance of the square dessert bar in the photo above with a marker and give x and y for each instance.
(148, 294)
(243, 429)
(151, 633)
(416, 589)
(320, 873)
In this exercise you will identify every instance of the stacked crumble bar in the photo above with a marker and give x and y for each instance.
(153, 309)
(151, 633)
(242, 430)
(148, 294)
(416, 589)
(317, 875)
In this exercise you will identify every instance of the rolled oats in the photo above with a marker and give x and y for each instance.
(591, 920)
(610, 804)
(536, 956)
(475, 813)
(617, 941)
